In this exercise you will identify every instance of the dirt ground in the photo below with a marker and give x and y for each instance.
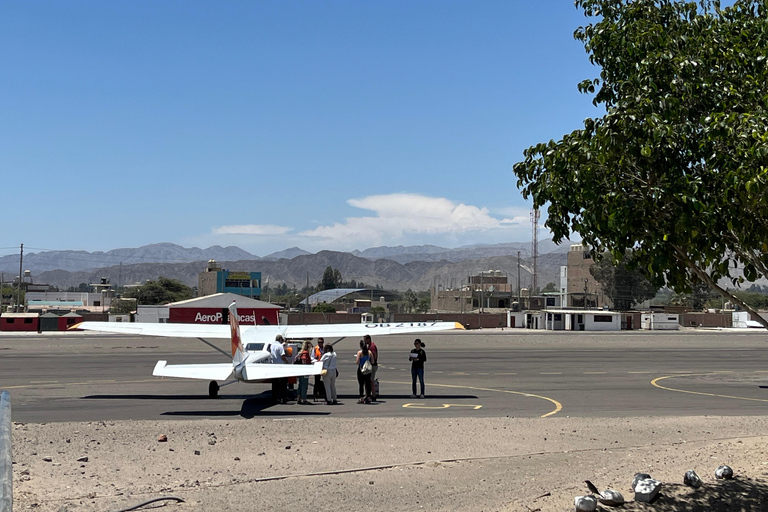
(328, 464)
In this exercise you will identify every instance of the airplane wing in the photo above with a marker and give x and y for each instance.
(152, 329)
(341, 330)
(261, 371)
(215, 371)
(289, 331)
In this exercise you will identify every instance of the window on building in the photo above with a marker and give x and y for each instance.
(27, 320)
(550, 301)
(237, 283)
(604, 318)
(10, 320)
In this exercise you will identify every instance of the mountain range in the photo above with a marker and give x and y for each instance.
(399, 268)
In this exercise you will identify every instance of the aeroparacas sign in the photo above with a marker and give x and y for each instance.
(246, 316)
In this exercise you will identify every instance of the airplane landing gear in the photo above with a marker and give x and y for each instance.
(213, 389)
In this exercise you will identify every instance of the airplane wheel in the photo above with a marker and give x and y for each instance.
(213, 389)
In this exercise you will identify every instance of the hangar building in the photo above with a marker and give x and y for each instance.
(211, 309)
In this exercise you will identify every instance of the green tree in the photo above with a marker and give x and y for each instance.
(122, 306)
(549, 287)
(378, 310)
(331, 279)
(625, 286)
(10, 294)
(677, 168)
(161, 291)
(324, 307)
(411, 300)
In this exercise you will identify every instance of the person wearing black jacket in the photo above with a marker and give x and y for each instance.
(418, 357)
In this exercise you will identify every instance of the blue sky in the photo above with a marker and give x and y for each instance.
(266, 125)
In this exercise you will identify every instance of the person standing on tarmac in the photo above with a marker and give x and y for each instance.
(279, 386)
(374, 350)
(317, 354)
(304, 357)
(329, 379)
(363, 379)
(418, 357)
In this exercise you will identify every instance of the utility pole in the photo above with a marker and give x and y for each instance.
(518, 278)
(18, 297)
(482, 296)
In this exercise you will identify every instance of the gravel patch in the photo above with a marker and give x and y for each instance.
(477, 464)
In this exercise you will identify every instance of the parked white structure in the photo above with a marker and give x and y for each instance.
(742, 320)
(660, 321)
(153, 314)
(580, 320)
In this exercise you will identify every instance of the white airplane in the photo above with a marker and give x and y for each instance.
(251, 354)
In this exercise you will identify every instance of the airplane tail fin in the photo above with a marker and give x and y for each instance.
(238, 353)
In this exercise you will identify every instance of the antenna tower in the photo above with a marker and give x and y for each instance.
(535, 247)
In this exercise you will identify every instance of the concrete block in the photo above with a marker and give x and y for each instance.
(646, 490)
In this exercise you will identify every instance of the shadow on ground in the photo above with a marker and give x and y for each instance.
(737, 495)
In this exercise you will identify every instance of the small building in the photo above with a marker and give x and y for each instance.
(660, 321)
(152, 314)
(211, 309)
(19, 322)
(68, 320)
(215, 280)
(49, 322)
(579, 320)
(47, 300)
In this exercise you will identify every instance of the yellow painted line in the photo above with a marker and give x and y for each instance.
(87, 383)
(441, 406)
(43, 382)
(458, 373)
(655, 382)
(558, 405)
(483, 373)
(437, 371)
(505, 373)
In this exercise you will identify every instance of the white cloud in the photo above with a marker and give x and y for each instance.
(251, 229)
(395, 219)
(400, 217)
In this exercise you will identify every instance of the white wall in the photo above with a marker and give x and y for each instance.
(660, 321)
(153, 314)
(591, 325)
(519, 319)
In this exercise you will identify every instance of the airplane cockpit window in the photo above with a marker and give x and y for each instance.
(254, 347)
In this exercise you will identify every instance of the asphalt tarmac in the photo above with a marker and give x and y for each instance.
(510, 373)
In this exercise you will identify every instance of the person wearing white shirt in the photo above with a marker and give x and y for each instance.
(277, 356)
(329, 379)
